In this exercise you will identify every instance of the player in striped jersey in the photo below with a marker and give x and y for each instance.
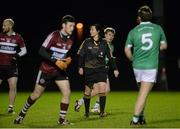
(53, 68)
(11, 47)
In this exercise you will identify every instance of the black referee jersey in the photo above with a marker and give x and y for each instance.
(92, 54)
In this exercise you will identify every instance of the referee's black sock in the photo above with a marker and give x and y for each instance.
(86, 103)
(102, 100)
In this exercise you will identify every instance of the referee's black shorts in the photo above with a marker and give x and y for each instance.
(95, 75)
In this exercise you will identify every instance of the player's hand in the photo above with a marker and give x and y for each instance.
(81, 71)
(68, 60)
(61, 64)
(113, 57)
(15, 57)
(116, 73)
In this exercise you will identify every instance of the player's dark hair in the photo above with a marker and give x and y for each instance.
(67, 18)
(145, 13)
(98, 28)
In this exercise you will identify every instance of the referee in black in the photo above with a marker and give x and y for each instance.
(92, 63)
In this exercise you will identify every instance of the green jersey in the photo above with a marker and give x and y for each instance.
(111, 46)
(145, 39)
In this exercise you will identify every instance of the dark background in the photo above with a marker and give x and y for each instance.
(34, 20)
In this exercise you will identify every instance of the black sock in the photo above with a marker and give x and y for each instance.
(27, 105)
(86, 103)
(102, 100)
(63, 112)
(142, 113)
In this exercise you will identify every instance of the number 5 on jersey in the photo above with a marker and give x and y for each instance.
(146, 39)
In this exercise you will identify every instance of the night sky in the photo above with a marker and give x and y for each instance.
(34, 20)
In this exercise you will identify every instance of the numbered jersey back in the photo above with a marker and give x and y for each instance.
(145, 40)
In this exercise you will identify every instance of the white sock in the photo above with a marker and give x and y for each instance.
(96, 105)
(81, 101)
(135, 119)
(10, 106)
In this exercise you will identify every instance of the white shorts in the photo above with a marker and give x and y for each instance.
(147, 75)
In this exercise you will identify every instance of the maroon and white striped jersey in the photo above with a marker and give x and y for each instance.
(57, 47)
(8, 47)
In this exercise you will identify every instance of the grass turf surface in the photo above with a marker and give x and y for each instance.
(162, 111)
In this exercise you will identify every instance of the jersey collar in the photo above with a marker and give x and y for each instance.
(145, 23)
(13, 33)
(65, 37)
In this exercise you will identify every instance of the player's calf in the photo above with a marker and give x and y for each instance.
(24, 110)
(87, 103)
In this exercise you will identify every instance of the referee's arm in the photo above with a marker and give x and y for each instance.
(81, 53)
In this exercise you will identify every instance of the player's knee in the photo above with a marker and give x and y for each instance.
(87, 90)
(102, 90)
(87, 96)
(12, 88)
(66, 93)
(69, 92)
(102, 94)
(87, 93)
(94, 92)
(12, 84)
(108, 90)
(35, 95)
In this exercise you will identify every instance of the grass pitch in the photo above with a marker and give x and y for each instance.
(162, 111)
